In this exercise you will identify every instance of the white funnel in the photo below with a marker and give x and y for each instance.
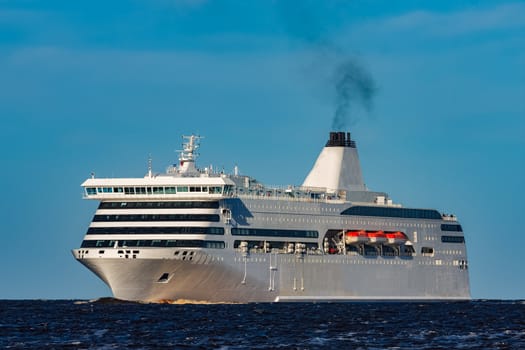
(337, 167)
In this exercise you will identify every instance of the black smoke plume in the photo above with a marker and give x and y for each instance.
(353, 85)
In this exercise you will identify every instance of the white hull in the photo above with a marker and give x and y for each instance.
(214, 278)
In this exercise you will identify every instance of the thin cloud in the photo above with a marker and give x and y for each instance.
(184, 3)
(504, 17)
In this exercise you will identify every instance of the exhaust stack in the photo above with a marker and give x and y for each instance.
(337, 167)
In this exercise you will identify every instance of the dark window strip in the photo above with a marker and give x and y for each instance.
(451, 227)
(155, 230)
(157, 217)
(452, 239)
(158, 205)
(273, 233)
(271, 244)
(393, 212)
(152, 243)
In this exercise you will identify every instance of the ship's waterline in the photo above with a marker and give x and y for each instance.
(203, 235)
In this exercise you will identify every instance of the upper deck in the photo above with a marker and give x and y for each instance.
(187, 182)
(160, 186)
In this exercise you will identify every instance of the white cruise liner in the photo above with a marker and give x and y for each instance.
(197, 234)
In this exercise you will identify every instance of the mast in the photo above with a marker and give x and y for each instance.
(188, 155)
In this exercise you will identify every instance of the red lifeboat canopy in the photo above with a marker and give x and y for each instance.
(355, 233)
(377, 236)
(356, 237)
(396, 237)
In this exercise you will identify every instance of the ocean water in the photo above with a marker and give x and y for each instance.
(110, 324)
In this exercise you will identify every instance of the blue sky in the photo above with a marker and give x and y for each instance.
(98, 86)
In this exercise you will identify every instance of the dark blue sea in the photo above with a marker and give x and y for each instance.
(111, 324)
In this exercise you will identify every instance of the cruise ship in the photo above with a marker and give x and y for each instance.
(204, 235)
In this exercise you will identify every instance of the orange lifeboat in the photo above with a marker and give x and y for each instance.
(396, 237)
(354, 237)
(377, 237)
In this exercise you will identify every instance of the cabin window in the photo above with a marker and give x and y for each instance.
(182, 188)
(427, 251)
(452, 239)
(451, 227)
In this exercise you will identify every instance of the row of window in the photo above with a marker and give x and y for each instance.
(158, 205)
(452, 239)
(193, 243)
(154, 189)
(451, 227)
(271, 244)
(273, 233)
(158, 217)
(393, 212)
(375, 250)
(155, 230)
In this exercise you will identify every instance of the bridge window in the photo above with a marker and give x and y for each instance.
(170, 190)
(215, 189)
(158, 190)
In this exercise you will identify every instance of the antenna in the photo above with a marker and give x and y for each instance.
(149, 165)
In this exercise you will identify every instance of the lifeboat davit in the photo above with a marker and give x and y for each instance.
(396, 238)
(377, 237)
(354, 237)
